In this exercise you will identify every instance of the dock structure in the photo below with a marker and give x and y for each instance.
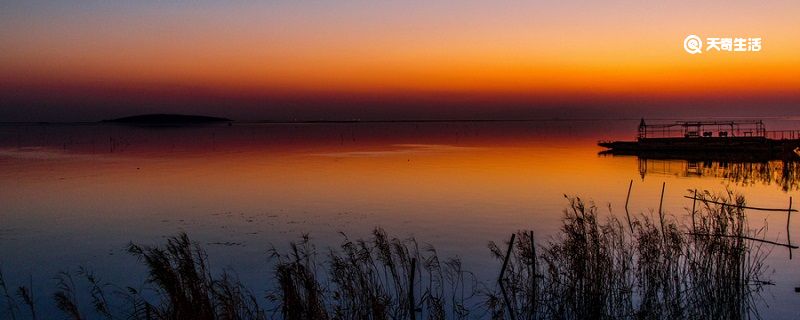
(706, 129)
(720, 140)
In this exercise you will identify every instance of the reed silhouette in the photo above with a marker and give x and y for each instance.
(370, 279)
(602, 270)
(596, 267)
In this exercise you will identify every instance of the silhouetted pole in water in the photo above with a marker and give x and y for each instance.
(660, 203)
(502, 273)
(742, 237)
(788, 219)
(411, 305)
(627, 199)
(535, 295)
(743, 207)
(724, 204)
(694, 205)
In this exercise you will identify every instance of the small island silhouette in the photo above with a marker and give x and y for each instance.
(167, 119)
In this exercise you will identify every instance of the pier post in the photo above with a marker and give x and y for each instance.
(788, 220)
(412, 308)
(660, 213)
(502, 274)
(627, 199)
(694, 205)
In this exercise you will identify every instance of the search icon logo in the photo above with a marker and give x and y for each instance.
(693, 44)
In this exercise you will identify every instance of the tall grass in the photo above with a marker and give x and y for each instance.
(371, 279)
(601, 270)
(178, 286)
(179, 273)
(596, 267)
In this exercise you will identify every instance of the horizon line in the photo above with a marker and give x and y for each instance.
(423, 120)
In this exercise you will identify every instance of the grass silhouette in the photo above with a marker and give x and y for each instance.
(594, 268)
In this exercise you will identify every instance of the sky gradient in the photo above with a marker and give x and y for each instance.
(333, 60)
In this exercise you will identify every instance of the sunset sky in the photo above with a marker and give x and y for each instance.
(333, 60)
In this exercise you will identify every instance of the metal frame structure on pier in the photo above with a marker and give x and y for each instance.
(702, 129)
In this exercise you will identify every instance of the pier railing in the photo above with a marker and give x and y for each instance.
(693, 129)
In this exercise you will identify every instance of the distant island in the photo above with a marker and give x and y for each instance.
(159, 119)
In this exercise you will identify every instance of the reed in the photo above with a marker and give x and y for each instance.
(370, 279)
(603, 270)
(187, 290)
(11, 306)
(651, 266)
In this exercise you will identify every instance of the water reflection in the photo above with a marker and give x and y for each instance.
(783, 174)
(742, 169)
(75, 194)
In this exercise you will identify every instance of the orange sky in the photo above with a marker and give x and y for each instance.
(563, 49)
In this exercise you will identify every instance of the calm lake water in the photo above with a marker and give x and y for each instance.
(76, 195)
